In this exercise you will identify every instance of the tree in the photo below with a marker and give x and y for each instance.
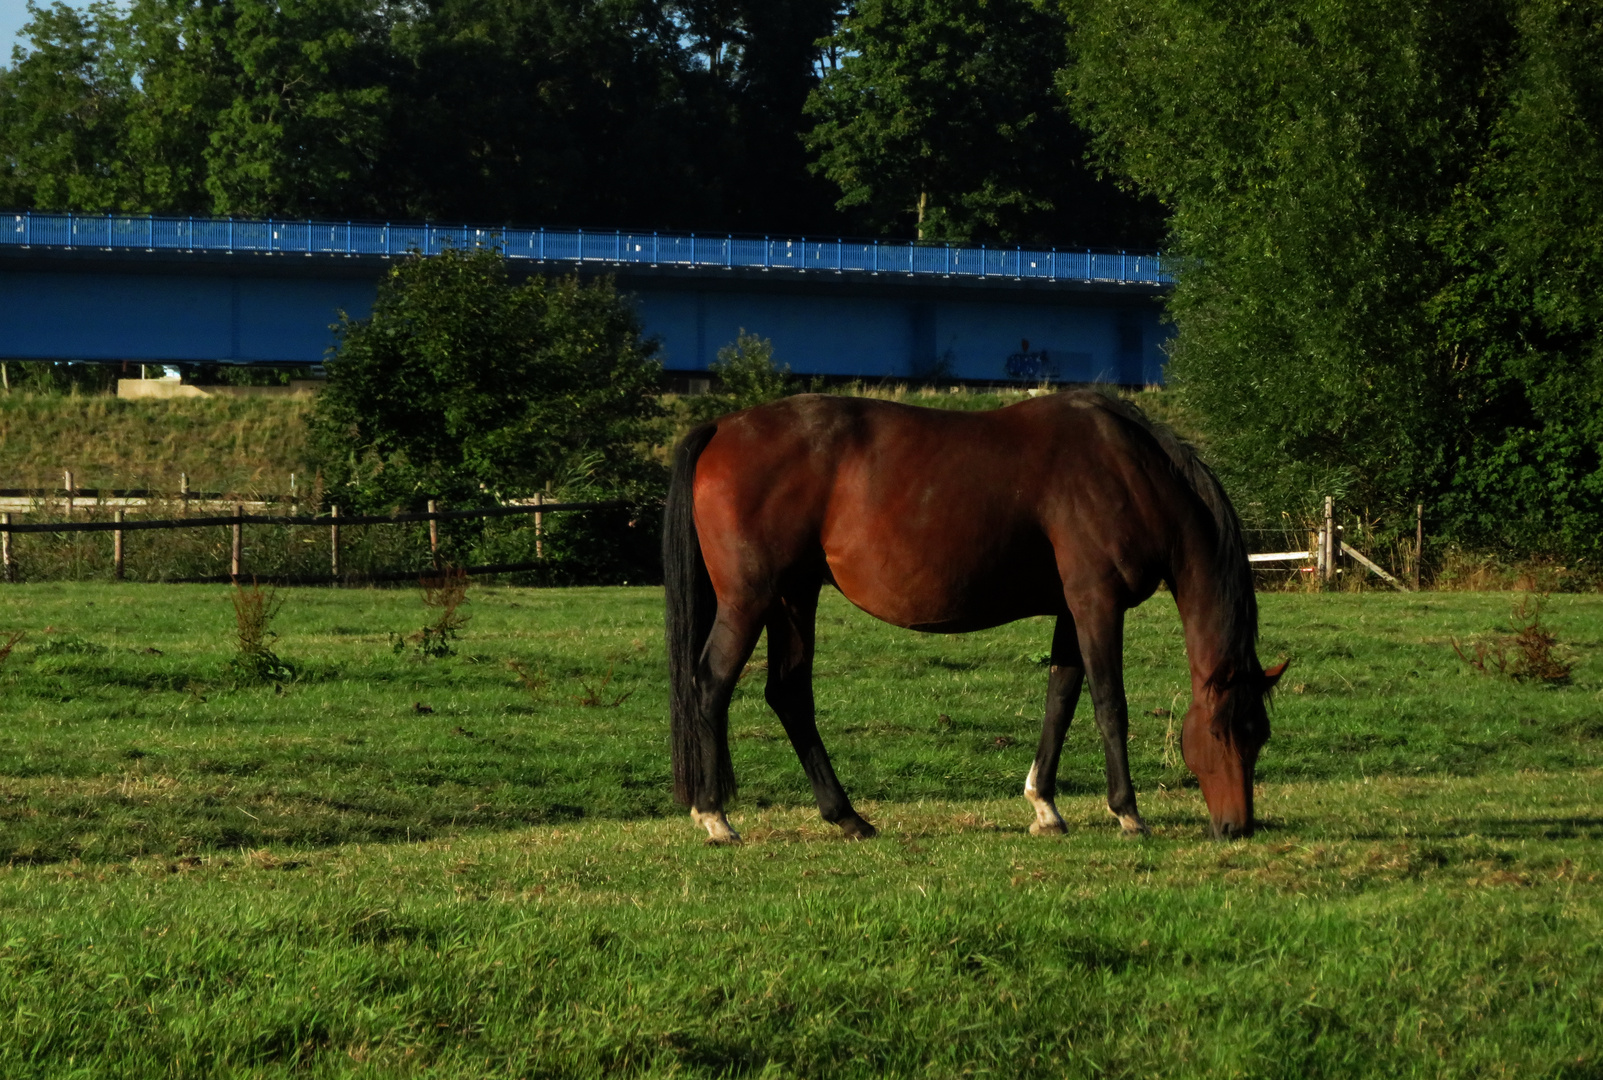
(194, 106)
(944, 120)
(466, 387)
(646, 114)
(754, 63)
(1519, 321)
(1391, 232)
(64, 105)
(1304, 148)
(557, 111)
(303, 123)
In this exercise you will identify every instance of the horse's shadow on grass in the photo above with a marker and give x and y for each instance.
(1573, 827)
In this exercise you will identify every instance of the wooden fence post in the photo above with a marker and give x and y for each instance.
(1419, 541)
(539, 526)
(5, 546)
(1328, 549)
(116, 548)
(434, 537)
(183, 493)
(334, 541)
(239, 544)
(66, 482)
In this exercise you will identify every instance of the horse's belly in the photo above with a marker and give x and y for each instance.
(922, 589)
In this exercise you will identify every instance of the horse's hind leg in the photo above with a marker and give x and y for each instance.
(790, 695)
(1062, 694)
(728, 647)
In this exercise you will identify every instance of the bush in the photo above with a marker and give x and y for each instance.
(470, 389)
(746, 376)
(465, 387)
(254, 659)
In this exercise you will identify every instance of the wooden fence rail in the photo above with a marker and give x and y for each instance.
(319, 519)
(333, 521)
(91, 494)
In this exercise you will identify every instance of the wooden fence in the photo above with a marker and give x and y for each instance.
(238, 521)
(1327, 546)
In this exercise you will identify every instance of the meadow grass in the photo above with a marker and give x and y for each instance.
(393, 865)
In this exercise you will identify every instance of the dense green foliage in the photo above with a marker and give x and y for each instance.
(1386, 215)
(637, 113)
(406, 867)
(463, 385)
(1391, 232)
(468, 388)
(943, 116)
(537, 110)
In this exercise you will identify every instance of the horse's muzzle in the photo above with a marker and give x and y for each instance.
(1231, 830)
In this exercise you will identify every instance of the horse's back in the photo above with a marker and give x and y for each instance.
(933, 518)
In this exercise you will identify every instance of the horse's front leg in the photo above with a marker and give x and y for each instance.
(1101, 632)
(1062, 694)
(790, 695)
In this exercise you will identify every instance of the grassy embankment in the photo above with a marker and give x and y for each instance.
(321, 877)
(224, 444)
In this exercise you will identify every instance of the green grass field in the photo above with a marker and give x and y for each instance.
(399, 866)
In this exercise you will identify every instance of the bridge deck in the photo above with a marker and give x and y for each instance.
(104, 288)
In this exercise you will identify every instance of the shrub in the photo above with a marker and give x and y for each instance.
(465, 387)
(746, 376)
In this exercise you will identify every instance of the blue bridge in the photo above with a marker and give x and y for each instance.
(108, 288)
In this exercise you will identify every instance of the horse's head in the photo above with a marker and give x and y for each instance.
(1226, 726)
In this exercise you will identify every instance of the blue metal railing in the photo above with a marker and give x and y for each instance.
(119, 232)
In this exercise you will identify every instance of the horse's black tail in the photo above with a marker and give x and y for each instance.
(691, 610)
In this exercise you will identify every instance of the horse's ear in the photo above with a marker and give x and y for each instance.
(1272, 675)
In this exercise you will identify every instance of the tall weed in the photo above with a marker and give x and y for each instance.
(1530, 652)
(444, 594)
(254, 611)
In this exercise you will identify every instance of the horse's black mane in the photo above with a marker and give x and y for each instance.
(1231, 568)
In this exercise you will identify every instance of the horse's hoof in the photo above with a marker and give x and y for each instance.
(1132, 825)
(855, 828)
(716, 822)
(1048, 828)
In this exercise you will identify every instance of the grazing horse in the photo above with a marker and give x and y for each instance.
(1072, 505)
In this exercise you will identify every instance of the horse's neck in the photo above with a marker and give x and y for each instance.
(1205, 613)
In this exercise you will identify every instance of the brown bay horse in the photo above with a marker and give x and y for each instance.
(1071, 505)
